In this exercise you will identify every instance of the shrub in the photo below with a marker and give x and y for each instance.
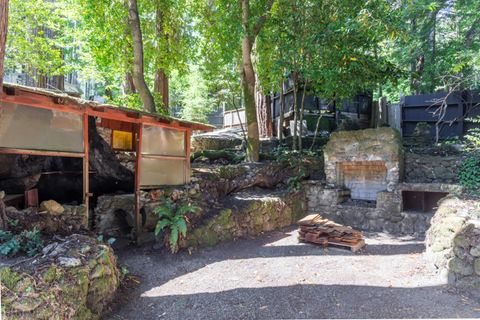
(28, 241)
(469, 173)
(172, 217)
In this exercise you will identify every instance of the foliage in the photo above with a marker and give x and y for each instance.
(109, 241)
(298, 161)
(172, 216)
(39, 37)
(191, 95)
(437, 39)
(469, 173)
(335, 56)
(294, 183)
(28, 241)
(339, 47)
(230, 172)
(472, 138)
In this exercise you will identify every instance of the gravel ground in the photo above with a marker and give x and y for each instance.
(274, 276)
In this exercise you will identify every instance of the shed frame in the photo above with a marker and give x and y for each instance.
(40, 98)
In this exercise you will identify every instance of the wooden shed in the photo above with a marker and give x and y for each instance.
(42, 123)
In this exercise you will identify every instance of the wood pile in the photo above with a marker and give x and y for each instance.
(315, 229)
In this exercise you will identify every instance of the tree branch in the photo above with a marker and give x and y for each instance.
(261, 21)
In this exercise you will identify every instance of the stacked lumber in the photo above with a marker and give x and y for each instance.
(316, 229)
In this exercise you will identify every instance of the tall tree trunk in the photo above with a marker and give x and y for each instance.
(268, 115)
(248, 86)
(302, 110)
(263, 112)
(161, 79)
(161, 86)
(282, 111)
(41, 81)
(138, 67)
(128, 85)
(3, 36)
(433, 44)
(295, 111)
(247, 74)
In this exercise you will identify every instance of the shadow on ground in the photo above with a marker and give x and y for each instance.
(199, 286)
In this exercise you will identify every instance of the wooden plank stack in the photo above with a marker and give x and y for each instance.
(315, 229)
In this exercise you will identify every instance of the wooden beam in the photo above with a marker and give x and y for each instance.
(166, 157)
(44, 102)
(86, 168)
(137, 217)
(187, 155)
(42, 153)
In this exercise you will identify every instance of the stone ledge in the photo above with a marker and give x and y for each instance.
(376, 220)
(246, 215)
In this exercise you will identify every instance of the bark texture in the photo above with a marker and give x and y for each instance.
(250, 32)
(264, 113)
(138, 67)
(3, 35)
(161, 78)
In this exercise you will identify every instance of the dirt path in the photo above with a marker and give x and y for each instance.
(275, 277)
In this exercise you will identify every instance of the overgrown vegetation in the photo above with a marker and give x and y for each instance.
(172, 216)
(469, 173)
(298, 161)
(28, 241)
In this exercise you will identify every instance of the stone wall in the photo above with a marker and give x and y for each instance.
(384, 215)
(50, 218)
(74, 278)
(247, 215)
(427, 168)
(453, 242)
(376, 220)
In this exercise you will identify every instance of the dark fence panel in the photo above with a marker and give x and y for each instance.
(421, 108)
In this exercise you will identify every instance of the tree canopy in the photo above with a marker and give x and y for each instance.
(206, 54)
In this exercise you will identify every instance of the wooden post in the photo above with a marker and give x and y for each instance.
(86, 169)
(138, 149)
(187, 156)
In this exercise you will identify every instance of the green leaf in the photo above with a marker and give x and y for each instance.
(173, 239)
(161, 225)
(182, 226)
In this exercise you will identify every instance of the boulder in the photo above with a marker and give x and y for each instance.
(52, 207)
(72, 279)
(229, 138)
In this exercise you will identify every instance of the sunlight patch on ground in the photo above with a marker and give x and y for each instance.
(379, 271)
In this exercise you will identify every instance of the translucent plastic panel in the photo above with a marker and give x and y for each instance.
(155, 172)
(162, 141)
(24, 127)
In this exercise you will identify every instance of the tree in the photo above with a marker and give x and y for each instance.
(3, 36)
(138, 67)
(229, 31)
(326, 48)
(247, 73)
(39, 40)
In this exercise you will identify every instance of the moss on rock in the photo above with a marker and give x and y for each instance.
(250, 218)
(61, 291)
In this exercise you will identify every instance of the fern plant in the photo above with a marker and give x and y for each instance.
(28, 241)
(172, 216)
